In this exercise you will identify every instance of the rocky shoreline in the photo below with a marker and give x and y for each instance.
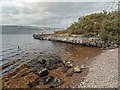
(44, 71)
(38, 68)
(76, 39)
(50, 71)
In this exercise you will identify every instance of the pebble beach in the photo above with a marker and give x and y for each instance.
(103, 71)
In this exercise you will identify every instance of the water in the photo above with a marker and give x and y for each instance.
(20, 48)
(17, 41)
(27, 43)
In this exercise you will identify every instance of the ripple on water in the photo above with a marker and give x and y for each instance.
(30, 48)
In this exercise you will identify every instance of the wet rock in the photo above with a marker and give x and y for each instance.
(34, 83)
(48, 79)
(64, 62)
(54, 67)
(42, 61)
(77, 69)
(57, 82)
(45, 61)
(67, 63)
(53, 64)
(65, 69)
(43, 72)
(37, 67)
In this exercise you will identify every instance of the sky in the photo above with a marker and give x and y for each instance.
(49, 14)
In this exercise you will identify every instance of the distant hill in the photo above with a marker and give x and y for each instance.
(14, 29)
(104, 25)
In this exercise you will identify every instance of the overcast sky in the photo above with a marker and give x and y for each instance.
(47, 14)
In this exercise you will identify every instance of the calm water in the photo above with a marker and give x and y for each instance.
(28, 47)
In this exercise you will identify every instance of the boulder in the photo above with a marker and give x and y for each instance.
(48, 79)
(67, 63)
(77, 69)
(43, 72)
(64, 62)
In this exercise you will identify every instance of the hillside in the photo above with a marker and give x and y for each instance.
(104, 25)
(19, 29)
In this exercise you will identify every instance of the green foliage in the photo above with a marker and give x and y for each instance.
(60, 32)
(104, 24)
(104, 35)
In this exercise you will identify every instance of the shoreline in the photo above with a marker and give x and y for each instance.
(103, 71)
(77, 80)
(76, 39)
(14, 79)
(98, 73)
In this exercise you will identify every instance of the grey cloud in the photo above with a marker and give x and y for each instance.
(53, 14)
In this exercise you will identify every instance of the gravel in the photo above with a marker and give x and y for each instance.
(103, 71)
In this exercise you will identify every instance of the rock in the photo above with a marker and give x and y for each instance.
(34, 83)
(99, 45)
(45, 61)
(112, 50)
(43, 72)
(115, 45)
(41, 52)
(64, 62)
(51, 65)
(42, 61)
(83, 66)
(48, 79)
(57, 82)
(67, 64)
(37, 67)
(77, 69)
(65, 69)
